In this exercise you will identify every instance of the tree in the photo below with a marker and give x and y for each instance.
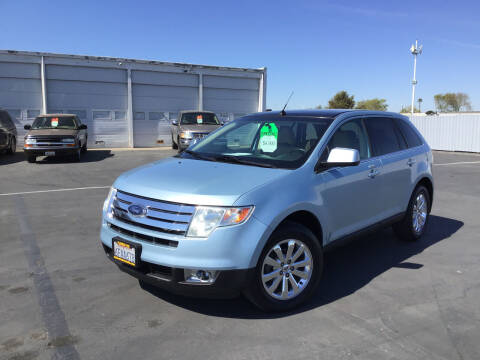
(319, 107)
(341, 100)
(373, 104)
(408, 109)
(452, 102)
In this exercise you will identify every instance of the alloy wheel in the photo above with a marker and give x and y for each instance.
(419, 213)
(287, 269)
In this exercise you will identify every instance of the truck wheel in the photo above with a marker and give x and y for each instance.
(84, 147)
(174, 146)
(288, 270)
(413, 225)
(178, 145)
(77, 157)
(13, 146)
(31, 158)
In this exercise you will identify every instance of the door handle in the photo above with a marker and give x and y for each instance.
(410, 162)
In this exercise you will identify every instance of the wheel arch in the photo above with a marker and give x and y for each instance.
(307, 219)
(427, 182)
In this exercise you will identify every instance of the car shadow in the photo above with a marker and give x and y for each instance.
(89, 156)
(347, 269)
(6, 159)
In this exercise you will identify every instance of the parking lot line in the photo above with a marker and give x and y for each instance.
(458, 163)
(55, 190)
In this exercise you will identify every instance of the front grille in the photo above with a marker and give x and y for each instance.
(49, 141)
(147, 238)
(162, 216)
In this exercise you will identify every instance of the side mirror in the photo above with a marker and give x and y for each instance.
(222, 123)
(174, 122)
(82, 127)
(27, 127)
(339, 157)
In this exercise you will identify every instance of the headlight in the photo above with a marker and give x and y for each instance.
(186, 135)
(108, 201)
(207, 218)
(30, 141)
(68, 141)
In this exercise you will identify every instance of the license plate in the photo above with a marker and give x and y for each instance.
(49, 153)
(125, 252)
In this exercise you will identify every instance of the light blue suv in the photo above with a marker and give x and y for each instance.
(252, 207)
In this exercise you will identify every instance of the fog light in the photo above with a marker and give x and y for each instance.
(198, 276)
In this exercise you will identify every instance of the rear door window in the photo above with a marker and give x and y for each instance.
(383, 135)
(408, 133)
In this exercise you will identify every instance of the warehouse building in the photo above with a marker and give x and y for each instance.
(124, 102)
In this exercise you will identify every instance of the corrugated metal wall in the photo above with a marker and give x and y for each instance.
(450, 132)
(20, 93)
(124, 102)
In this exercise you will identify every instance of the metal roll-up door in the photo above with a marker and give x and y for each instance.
(157, 98)
(230, 96)
(97, 95)
(20, 93)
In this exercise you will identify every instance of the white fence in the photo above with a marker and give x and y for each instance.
(451, 132)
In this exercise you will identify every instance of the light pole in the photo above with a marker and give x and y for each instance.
(415, 50)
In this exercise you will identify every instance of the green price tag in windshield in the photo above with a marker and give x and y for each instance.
(268, 138)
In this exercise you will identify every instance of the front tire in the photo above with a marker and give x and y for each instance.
(77, 157)
(84, 147)
(174, 146)
(413, 225)
(13, 146)
(31, 158)
(288, 270)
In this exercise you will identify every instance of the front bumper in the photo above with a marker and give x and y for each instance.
(228, 284)
(59, 151)
(232, 250)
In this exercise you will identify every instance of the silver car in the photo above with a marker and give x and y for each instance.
(191, 126)
(252, 207)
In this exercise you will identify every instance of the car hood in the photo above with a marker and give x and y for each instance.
(199, 128)
(53, 132)
(195, 182)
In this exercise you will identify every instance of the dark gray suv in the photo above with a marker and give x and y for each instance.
(8, 133)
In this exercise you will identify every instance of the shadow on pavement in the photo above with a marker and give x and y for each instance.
(6, 159)
(89, 156)
(347, 269)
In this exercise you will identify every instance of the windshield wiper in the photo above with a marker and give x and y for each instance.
(198, 156)
(236, 160)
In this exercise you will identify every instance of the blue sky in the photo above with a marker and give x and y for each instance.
(314, 48)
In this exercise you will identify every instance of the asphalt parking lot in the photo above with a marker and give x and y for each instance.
(379, 299)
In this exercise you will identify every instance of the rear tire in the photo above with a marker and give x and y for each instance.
(413, 225)
(273, 274)
(13, 146)
(174, 146)
(178, 145)
(31, 158)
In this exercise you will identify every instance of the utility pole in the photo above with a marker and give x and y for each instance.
(415, 50)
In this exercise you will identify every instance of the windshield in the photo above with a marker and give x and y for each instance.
(283, 142)
(199, 118)
(52, 122)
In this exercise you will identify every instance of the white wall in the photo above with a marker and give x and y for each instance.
(451, 132)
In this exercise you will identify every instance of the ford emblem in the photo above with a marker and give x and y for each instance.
(137, 210)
